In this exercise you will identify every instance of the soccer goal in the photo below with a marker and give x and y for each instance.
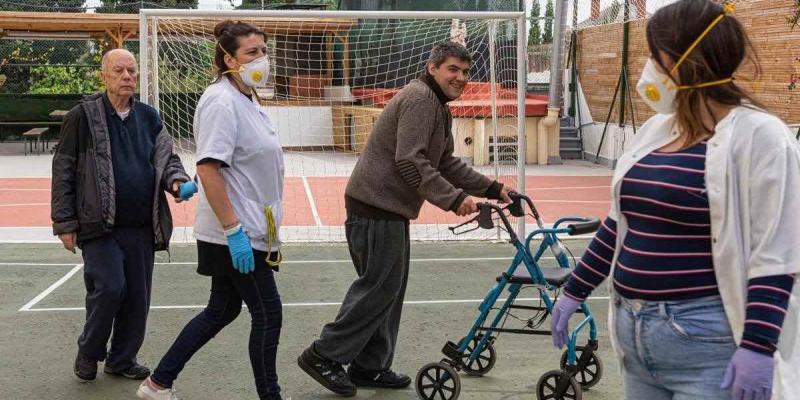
(332, 75)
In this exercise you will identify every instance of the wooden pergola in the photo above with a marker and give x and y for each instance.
(116, 29)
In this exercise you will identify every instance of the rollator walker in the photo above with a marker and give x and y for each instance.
(474, 354)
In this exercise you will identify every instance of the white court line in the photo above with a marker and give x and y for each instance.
(566, 187)
(409, 302)
(25, 205)
(23, 190)
(574, 201)
(54, 286)
(24, 264)
(9, 264)
(311, 202)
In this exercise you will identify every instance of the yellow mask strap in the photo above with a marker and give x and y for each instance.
(726, 9)
(272, 236)
(230, 71)
(705, 85)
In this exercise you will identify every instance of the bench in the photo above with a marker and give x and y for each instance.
(16, 126)
(34, 137)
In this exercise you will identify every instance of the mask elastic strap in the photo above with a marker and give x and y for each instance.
(272, 237)
(707, 84)
(727, 9)
(230, 71)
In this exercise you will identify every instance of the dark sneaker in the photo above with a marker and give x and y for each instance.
(85, 369)
(380, 379)
(327, 372)
(137, 372)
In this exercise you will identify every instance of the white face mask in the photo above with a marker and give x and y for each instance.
(255, 73)
(657, 89)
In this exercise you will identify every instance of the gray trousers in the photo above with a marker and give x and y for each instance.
(365, 331)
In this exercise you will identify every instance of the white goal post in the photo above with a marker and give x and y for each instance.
(332, 73)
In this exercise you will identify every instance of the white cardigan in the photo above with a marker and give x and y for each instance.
(753, 182)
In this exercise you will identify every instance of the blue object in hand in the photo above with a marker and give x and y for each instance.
(559, 324)
(749, 375)
(187, 190)
(241, 252)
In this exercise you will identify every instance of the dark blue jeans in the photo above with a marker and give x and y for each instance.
(117, 272)
(260, 293)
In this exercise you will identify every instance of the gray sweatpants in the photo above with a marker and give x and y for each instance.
(365, 331)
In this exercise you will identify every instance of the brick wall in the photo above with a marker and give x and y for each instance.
(777, 45)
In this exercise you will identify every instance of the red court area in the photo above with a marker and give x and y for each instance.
(25, 202)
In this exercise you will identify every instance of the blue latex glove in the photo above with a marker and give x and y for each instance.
(187, 190)
(749, 374)
(559, 324)
(241, 252)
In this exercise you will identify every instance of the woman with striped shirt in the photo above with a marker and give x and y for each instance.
(700, 244)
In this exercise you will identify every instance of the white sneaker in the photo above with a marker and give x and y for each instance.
(148, 392)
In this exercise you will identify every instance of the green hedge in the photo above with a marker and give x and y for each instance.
(176, 109)
(34, 107)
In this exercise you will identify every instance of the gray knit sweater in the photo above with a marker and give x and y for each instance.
(409, 159)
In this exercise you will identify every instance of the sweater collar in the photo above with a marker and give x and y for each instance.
(110, 108)
(427, 79)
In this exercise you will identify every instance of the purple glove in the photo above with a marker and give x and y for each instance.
(751, 375)
(562, 311)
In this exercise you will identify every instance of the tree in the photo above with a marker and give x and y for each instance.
(128, 7)
(19, 57)
(64, 80)
(535, 33)
(547, 36)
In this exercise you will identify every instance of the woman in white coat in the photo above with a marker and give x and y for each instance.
(237, 221)
(703, 238)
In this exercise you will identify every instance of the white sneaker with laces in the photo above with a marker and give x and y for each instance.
(148, 392)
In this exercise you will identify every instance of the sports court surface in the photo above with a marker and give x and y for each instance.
(41, 314)
(41, 297)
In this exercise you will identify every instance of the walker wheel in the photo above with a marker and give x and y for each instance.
(438, 381)
(591, 373)
(486, 358)
(558, 385)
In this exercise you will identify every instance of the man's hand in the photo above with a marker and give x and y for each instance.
(68, 240)
(504, 198)
(183, 191)
(467, 207)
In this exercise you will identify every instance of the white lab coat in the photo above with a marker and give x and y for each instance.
(753, 181)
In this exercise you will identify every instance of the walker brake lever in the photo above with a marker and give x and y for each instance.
(453, 228)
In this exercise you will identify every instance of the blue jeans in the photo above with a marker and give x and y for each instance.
(674, 350)
(260, 293)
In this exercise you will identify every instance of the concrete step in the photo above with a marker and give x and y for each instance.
(571, 153)
(568, 133)
(569, 143)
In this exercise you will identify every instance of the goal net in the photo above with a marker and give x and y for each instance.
(332, 75)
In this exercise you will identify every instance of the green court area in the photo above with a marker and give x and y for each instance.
(41, 315)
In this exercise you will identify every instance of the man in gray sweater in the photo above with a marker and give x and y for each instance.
(408, 160)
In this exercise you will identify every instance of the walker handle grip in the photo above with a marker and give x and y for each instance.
(580, 228)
